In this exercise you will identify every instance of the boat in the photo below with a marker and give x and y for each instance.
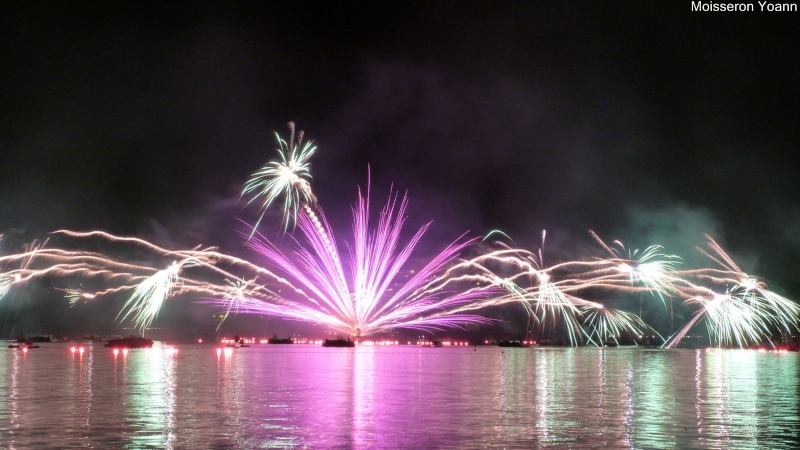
(511, 344)
(130, 342)
(22, 345)
(238, 342)
(551, 343)
(44, 338)
(277, 340)
(339, 342)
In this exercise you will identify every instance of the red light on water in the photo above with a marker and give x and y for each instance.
(80, 350)
(199, 341)
(124, 352)
(219, 351)
(72, 349)
(116, 351)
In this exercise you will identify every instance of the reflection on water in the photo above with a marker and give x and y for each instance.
(398, 397)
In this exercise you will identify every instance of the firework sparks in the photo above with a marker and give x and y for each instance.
(75, 296)
(606, 326)
(745, 314)
(651, 267)
(147, 298)
(238, 296)
(289, 178)
(6, 281)
(555, 294)
(372, 297)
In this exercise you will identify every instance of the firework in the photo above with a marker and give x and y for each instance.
(554, 295)
(6, 281)
(378, 293)
(148, 296)
(288, 177)
(604, 325)
(238, 296)
(75, 296)
(745, 314)
(651, 267)
(369, 286)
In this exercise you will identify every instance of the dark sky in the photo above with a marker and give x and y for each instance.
(641, 120)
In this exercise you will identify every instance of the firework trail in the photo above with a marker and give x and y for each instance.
(149, 286)
(556, 293)
(745, 314)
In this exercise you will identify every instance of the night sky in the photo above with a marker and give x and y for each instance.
(642, 120)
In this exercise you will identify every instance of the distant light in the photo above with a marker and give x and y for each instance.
(200, 341)
(116, 351)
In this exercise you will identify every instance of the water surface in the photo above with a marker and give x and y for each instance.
(293, 396)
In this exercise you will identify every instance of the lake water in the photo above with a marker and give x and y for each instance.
(297, 396)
